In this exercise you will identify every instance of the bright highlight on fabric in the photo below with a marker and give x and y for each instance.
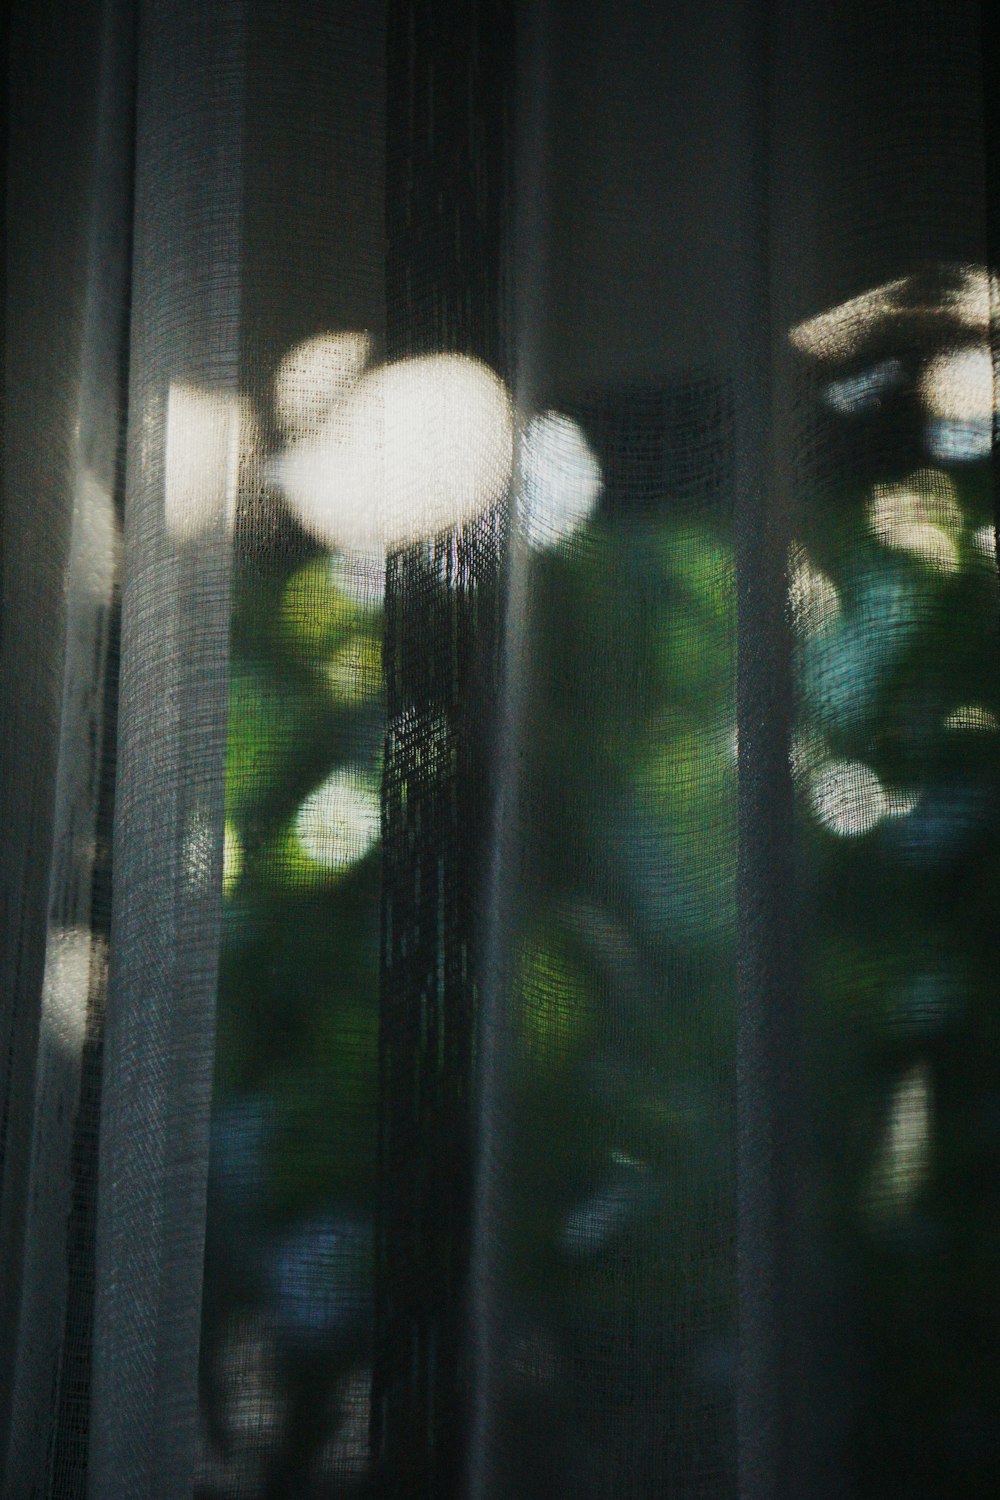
(232, 858)
(921, 516)
(812, 596)
(95, 541)
(985, 541)
(198, 850)
(972, 716)
(957, 392)
(902, 1165)
(560, 481)
(972, 299)
(848, 798)
(316, 375)
(67, 967)
(414, 449)
(207, 432)
(947, 300)
(840, 333)
(338, 823)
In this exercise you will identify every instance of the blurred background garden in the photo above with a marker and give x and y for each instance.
(622, 1173)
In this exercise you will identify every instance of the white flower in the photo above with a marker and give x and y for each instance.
(847, 797)
(338, 823)
(415, 448)
(316, 375)
(560, 481)
(958, 385)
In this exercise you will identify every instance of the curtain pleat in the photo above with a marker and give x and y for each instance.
(182, 474)
(68, 203)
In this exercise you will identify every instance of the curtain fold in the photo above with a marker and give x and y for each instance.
(68, 217)
(500, 751)
(182, 472)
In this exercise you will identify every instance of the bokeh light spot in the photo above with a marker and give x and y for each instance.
(417, 448)
(338, 823)
(560, 481)
(920, 516)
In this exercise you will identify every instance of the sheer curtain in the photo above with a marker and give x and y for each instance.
(501, 736)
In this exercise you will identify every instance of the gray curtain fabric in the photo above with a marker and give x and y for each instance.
(182, 470)
(68, 241)
(500, 751)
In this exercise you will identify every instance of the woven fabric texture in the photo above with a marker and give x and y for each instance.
(500, 751)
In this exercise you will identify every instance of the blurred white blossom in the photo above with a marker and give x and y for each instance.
(316, 375)
(338, 823)
(956, 389)
(560, 481)
(412, 450)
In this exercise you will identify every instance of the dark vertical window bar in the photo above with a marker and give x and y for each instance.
(446, 189)
(771, 1396)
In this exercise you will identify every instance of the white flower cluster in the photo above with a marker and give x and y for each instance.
(381, 455)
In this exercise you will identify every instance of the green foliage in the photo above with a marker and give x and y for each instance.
(621, 1177)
